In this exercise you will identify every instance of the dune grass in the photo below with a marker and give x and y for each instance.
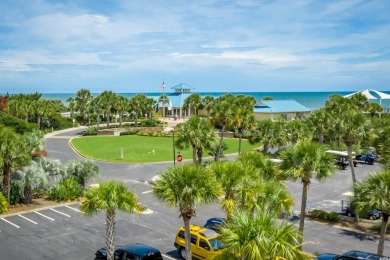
(141, 149)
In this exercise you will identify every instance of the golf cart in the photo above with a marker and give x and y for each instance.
(341, 159)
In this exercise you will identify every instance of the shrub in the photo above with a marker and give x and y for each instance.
(3, 203)
(67, 189)
(91, 130)
(58, 122)
(19, 125)
(149, 122)
(329, 216)
(14, 196)
(333, 217)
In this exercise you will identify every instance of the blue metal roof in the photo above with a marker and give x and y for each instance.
(279, 106)
(182, 86)
(177, 99)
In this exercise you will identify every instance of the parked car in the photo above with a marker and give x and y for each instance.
(215, 223)
(133, 252)
(205, 243)
(350, 256)
(371, 214)
(365, 159)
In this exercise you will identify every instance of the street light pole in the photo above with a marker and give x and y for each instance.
(174, 148)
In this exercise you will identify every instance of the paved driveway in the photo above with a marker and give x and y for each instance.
(70, 235)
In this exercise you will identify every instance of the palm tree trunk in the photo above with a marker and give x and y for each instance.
(110, 234)
(6, 181)
(98, 119)
(108, 120)
(220, 144)
(39, 122)
(239, 141)
(349, 150)
(199, 152)
(303, 209)
(187, 235)
(194, 153)
(208, 114)
(384, 223)
(120, 119)
(27, 193)
(321, 136)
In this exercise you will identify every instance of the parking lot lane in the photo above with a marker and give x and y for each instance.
(40, 214)
(59, 212)
(73, 207)
(28, 219)
(9, 222)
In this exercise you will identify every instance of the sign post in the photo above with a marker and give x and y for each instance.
(179, 158)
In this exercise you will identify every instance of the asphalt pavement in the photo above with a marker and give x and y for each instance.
(71, 235)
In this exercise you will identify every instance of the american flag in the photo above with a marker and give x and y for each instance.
(163, 86)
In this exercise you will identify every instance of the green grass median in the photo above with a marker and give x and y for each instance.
(141, 149)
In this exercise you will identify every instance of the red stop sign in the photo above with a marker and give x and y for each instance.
(179, 158)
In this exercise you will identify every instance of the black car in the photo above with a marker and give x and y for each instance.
(371, 214)
(131, 252)
(350, 256)
(214, 223)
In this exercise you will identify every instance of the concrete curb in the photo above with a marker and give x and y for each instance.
(39, 209)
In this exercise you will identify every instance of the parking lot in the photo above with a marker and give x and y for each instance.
(65, 233)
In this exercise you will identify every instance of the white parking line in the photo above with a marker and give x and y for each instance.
(27, 219)
(73, 209)
(59, 212)
(165, 256)
(10, 223)
(52, 219)
(148, 191)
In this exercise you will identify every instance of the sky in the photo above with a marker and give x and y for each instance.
(212, 45)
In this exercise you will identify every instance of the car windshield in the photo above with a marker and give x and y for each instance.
(216, 244)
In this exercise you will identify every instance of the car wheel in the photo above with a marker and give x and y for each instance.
(349, 214)
(182, 252)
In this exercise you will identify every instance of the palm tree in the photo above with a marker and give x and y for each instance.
(244, 121)
(108, 100)
(223, 115)
(97, 106)
(121, 105)
(374, 192)
(150, 105)
(297, 130)
(13, 154)
(197, 133)
(270, 133)
(193, 102)
(208, 103)
(35, 141)
(304, 161)
(71, 105)
(184, 187)
(29, 177)
(110, 197)
(83, 98)
(320, 121)
(138, 103)
(163, 99)
(373, 108)
(265, 167)
(259, 237)
(231, 176)
(82, 169)
(354, 130)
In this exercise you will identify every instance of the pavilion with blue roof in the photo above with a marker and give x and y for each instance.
(264, 109)
(287, 109)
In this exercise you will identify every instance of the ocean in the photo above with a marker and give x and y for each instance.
(313, 100)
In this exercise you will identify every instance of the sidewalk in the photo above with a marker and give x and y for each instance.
(64, 131)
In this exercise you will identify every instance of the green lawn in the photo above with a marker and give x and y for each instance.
(140, 148)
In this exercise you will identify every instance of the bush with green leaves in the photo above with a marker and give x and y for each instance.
(91, 130)
(329, 216)
(67, 189)
(14, 196)
(3, 203)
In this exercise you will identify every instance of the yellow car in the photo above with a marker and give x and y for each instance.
(204, 242)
